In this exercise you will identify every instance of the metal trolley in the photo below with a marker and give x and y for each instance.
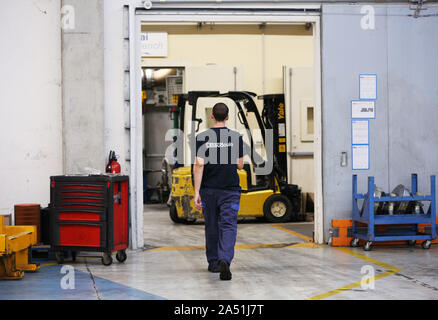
(368, 216)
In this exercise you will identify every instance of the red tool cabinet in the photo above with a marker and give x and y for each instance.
(89, 213)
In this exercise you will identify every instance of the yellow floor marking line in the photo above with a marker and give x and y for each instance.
(48, 264)
(305, 245)
(260, 245)
(391, 270)
(237, 247)
(251, 246)
(176, 248)
(369, 259)
(350, 286)
(55, 263)
(299, 235)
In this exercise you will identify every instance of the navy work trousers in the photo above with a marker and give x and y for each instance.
(220, 209)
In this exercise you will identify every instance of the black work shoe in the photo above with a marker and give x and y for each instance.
(213, 269)
(224, 268)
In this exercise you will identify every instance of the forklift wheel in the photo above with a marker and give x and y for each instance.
(277, 208)
(174, 215)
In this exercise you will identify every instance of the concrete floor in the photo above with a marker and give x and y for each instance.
(271, 262)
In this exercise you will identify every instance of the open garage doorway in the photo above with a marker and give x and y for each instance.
(264, 58)
(159, 87)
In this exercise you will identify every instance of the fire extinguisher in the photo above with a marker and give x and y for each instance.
(113, 166)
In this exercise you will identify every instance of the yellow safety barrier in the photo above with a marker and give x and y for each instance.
(15, 242)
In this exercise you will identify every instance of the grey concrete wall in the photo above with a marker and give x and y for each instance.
(83, 83)
(413, 96)
(403, 52)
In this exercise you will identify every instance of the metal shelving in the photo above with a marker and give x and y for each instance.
(368, 216)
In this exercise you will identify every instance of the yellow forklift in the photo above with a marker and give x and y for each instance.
(268, 196)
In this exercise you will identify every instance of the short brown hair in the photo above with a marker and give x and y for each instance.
(220, 111)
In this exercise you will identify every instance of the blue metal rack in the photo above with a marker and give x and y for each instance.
(367, 216)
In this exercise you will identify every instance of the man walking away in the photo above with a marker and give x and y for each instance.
(219, 153)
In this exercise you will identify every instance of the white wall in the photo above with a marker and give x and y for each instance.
(30, 100)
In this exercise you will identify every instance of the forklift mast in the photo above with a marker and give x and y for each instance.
(274, 118)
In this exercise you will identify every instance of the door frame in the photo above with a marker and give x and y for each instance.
(172, 15)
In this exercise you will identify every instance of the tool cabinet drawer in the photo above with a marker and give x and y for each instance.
(81, 235)
(76, 193)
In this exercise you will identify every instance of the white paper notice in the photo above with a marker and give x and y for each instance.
(361, 157)
(368, 86)
(154, 44)
(359, 132)
(361, 109)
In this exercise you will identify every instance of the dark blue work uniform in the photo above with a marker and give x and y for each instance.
(220, 190)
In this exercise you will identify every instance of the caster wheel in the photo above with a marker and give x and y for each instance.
(367, 246)
(412, 243)
(107, 260)
(121, 256)
(354, 243)
(59, 257)
(426, 244)
(73, 256)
